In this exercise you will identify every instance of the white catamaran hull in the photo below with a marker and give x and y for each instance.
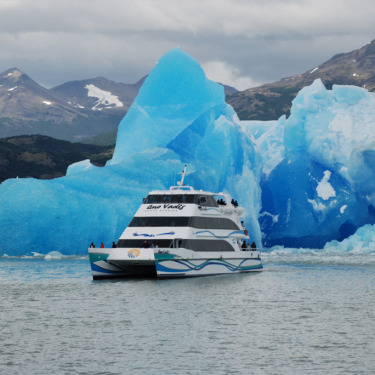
(144, 262)
(180, 232)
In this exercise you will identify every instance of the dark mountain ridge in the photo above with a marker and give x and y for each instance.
(28, 108)
(77, 93)
(270, 101)
(45, 157)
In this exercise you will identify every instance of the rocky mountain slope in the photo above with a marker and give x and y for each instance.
(270, 101)
(73, 111)
(98, 94)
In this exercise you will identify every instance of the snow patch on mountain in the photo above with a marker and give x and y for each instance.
(105, 98)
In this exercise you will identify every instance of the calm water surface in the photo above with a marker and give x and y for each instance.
(301, 315)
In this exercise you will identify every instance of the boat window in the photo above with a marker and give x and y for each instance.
(140, 243)
(169, 198)
(196, 245)
(202, 201)
(160, 221)
(205, 201)
(184, 221)
(207, 245)
(213, 223)
(212, 202)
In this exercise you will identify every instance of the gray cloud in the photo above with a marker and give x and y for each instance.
(238, 42)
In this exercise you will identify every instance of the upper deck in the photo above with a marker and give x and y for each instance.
(185, 200)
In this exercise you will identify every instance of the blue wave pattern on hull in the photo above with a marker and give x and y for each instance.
(213, 234)
(96, 268)
(192, 267)
(153, 235)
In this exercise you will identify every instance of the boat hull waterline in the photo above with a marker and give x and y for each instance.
(129, 263)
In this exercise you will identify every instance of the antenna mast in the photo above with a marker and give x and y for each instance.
(181, 183)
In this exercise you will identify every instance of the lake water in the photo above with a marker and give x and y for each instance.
(304, 314)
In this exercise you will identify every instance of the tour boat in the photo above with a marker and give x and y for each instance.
(180, 232)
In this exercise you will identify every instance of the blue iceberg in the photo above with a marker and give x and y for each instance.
(179, 117)
(318, 178)
(304, 181)
(361, 242)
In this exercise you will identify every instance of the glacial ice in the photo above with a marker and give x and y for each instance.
(361, 242)
(179, 117)
(319, 167)
(305, 181)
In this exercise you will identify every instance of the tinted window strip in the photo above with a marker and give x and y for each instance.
(184, 221)
(201, 199)
(196, 245)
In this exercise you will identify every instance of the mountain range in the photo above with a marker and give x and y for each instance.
(91, 110)
(80, 110)
(270, 101)
(73, 111)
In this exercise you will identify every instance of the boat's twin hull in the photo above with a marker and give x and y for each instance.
(126, 263)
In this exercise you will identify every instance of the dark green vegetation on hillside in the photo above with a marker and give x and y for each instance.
(45, 157)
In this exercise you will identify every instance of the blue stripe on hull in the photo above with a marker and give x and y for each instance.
(176, 268)
(96, 268)
(134, 271)
(194, 268)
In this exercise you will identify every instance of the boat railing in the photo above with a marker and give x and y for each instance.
(231, 209)
(181, 188)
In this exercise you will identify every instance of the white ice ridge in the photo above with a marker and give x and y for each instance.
(105, 98)
(324, 188)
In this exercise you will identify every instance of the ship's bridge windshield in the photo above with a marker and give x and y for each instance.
(201, 199)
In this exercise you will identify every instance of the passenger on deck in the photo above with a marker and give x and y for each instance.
(146, 244)
(92, 244)
(102, 245)
(234, 203)
(253, 246)
(243, 246)
(113, 245)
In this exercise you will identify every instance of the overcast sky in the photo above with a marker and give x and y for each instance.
(242, 43)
